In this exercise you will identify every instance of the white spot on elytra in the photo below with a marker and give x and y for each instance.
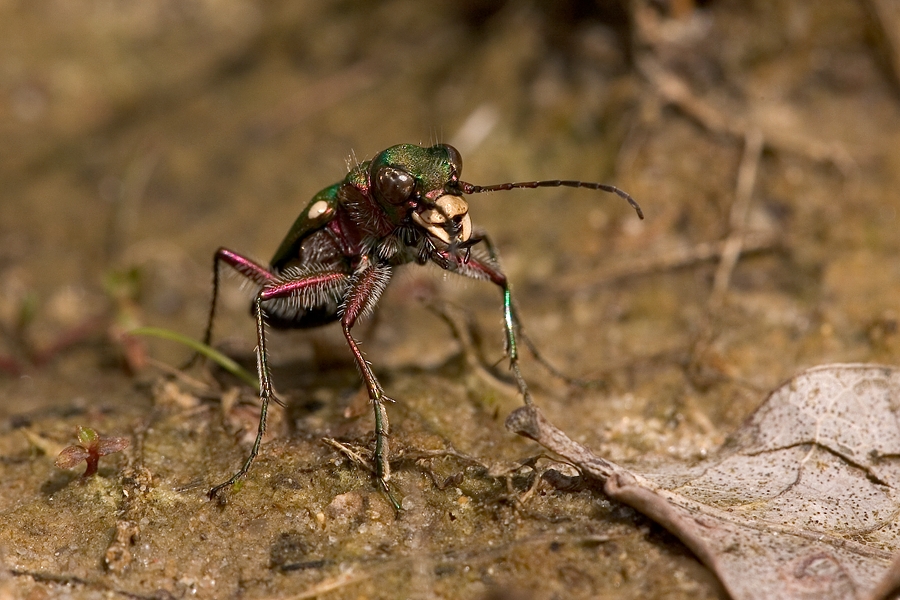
(318, 209)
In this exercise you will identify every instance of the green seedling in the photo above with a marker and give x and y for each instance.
(90, 447)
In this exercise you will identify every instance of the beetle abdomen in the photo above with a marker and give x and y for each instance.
(281, 315)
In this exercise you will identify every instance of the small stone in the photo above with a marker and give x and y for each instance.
(345, 506)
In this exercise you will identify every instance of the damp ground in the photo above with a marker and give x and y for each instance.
(762, 140)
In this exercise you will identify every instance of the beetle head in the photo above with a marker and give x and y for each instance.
(422, 184)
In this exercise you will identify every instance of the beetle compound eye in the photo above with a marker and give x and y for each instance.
(394, 185)
(454, 158)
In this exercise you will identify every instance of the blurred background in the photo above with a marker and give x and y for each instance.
(761, 138)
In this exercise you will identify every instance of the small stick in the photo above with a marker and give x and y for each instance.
(885, 17)
(677, 258)
(740, 210)
(676, 92)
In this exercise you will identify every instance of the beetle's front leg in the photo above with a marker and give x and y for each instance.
(315, 284)
(365, 290)
(472, 266)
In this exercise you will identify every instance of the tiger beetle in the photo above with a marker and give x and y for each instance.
(405, 205)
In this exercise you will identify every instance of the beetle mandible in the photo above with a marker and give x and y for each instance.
(405, 205)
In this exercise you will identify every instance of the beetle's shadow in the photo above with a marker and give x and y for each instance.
(314, 374)
(311, 389)
(308, 382)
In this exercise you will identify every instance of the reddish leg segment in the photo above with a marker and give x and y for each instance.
(243, 265)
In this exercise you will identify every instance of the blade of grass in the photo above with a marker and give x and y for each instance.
(207, 351)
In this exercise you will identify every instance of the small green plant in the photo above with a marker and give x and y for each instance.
(201, 349)
(90, 447)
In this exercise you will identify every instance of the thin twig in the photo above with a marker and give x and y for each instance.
(420, 454)
(670, 260)
(354, 456)
(676, 92)
(740, 211)
(885, 16)
(462, 328)
(342, 580)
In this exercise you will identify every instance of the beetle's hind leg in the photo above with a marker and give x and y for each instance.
(243, 265)
(265, 395)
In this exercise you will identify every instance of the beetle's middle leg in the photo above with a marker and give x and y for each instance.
(365, 290)
(317, 284)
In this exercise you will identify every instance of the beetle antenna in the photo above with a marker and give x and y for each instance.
(468, 188)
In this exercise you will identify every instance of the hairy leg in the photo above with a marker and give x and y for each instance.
(365, 290)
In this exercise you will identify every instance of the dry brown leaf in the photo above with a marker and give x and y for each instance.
(801, 502)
